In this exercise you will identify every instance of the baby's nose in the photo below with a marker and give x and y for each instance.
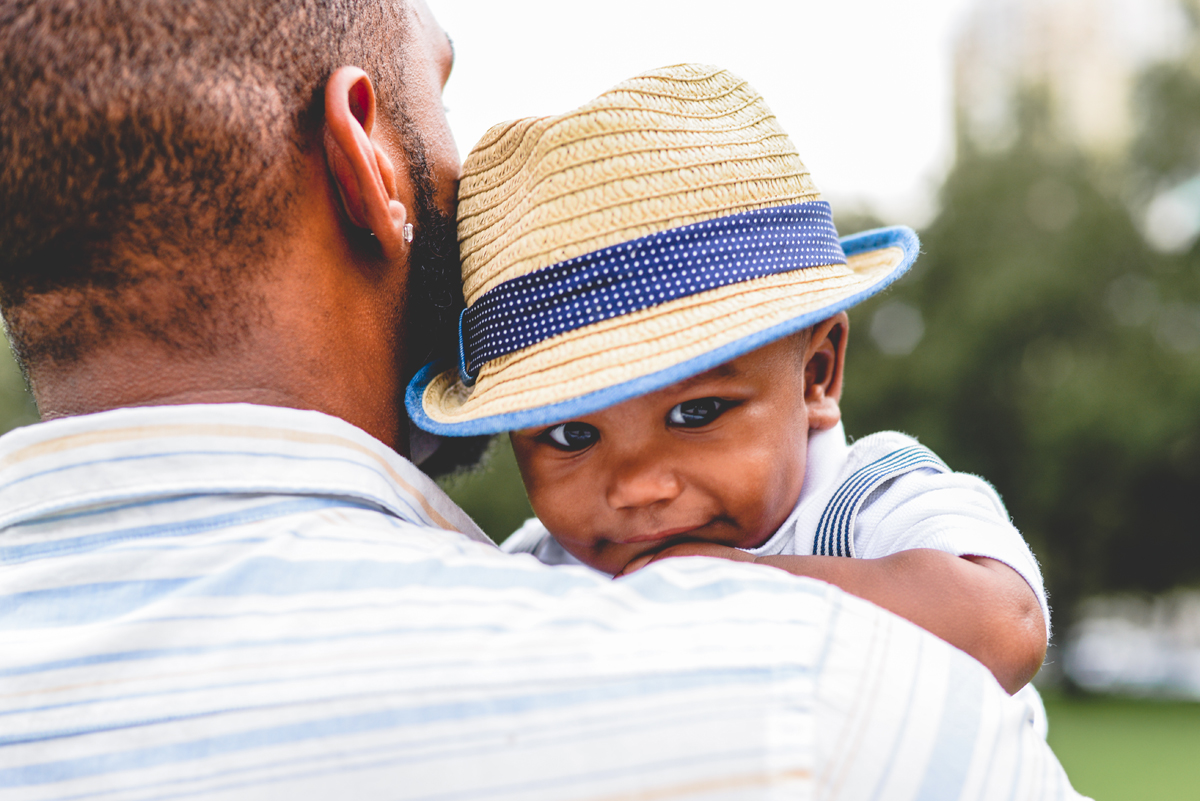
(642, 483)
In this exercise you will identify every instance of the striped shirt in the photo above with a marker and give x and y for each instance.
(242, 602)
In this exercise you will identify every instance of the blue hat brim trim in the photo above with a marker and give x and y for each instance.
(865, 242)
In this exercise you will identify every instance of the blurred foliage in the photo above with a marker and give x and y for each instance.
(16, 402)
(1167, 103)
(1059, 354)
(492, 493)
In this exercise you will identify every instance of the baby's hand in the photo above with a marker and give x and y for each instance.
(696, 548)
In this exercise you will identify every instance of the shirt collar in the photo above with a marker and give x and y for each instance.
(827, 452)
(222, 449)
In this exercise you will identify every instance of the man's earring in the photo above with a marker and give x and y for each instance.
(408, 232)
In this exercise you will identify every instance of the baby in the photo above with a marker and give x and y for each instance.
(656, 311)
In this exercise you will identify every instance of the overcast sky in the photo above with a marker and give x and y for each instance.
(862, 86)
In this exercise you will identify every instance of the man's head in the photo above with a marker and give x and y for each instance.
(719, 457)
(166, 167)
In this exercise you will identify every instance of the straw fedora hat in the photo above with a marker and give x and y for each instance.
(660, 230)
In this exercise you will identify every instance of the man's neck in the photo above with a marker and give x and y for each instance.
(145, 374)
(327, 335)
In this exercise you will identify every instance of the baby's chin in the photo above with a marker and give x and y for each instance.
(602, 554)
(611, 560)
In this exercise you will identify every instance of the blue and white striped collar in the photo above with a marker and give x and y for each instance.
(126, 455)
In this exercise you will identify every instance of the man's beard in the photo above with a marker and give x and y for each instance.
(433, 305)
(435, 297)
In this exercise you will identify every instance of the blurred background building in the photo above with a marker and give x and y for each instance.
(1085, 54)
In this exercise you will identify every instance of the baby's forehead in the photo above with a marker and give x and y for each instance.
(727, 370)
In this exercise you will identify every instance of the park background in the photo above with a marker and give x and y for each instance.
(1048, 153)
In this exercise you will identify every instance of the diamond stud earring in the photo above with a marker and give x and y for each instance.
(408, 232)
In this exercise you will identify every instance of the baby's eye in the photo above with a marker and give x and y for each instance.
(572, 436)
(699, 412)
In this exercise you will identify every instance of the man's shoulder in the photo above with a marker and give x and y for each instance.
(344, 632)
(158, 453)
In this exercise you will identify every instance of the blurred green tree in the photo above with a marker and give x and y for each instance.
(16, 401)
(492, 493)
(1043, 344)
(1166, 148)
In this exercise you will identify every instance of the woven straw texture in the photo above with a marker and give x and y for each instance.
(669, 148)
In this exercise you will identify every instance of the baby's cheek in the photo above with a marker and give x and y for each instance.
(549, 495)
(570, 523)
(768, 487)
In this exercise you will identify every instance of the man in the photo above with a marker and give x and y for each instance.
(220, 578)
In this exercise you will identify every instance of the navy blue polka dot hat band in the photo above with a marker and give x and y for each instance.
(645, 272)
(662, 229)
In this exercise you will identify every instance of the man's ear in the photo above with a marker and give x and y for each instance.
(824, 363)
(362, 171)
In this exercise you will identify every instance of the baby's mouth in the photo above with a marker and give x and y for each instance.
(679, 532)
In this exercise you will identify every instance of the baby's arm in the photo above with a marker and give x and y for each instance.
(977, 604)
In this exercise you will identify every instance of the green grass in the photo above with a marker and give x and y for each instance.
(1127, 750)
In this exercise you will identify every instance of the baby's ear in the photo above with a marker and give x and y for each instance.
(824, 361)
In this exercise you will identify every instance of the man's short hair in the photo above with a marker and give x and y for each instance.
(142, 133)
